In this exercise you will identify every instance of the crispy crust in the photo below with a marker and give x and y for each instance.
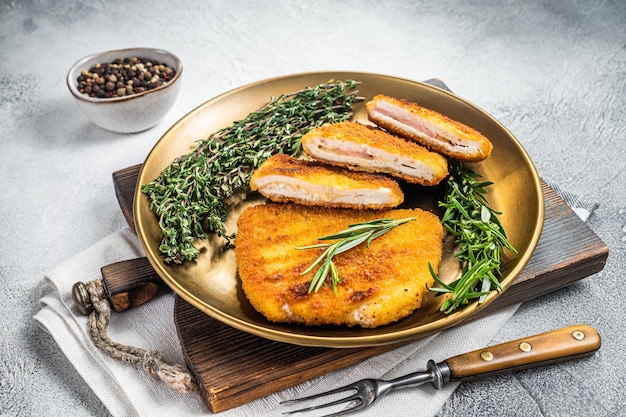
(376, 140)
(382, 283)
(283, 178)
(434, 130)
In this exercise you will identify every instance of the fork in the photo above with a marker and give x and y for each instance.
(542, 349)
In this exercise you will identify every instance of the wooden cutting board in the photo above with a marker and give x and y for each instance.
(234, 367)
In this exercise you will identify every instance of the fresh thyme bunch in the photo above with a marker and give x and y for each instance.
(188, 197)
(478, 234)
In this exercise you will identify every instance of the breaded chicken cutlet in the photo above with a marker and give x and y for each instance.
(429, 128)
(283, 178)
(381, 284)
(365, 148)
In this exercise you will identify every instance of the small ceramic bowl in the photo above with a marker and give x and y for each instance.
(130, 113)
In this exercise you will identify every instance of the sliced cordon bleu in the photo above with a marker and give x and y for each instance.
(283, 178)
(366, 148)
(429, 128)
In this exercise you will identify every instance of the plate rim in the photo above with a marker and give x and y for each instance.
(300, 338)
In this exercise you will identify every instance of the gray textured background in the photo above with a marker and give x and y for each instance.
(553, 72)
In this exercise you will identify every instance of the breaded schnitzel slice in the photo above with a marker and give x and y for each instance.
(381, 284)
(366, 148)
(283, 178)
(429, 128)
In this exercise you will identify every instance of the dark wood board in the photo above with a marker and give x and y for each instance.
(233, 367)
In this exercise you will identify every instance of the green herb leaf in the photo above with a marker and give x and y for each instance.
(347, 239)
(188, 197)
(478, 234)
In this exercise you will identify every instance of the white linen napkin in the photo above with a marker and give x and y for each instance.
(128, 391)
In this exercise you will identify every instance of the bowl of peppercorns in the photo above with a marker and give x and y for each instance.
(126, 90)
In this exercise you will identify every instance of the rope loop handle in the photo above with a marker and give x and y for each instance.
(176, 376)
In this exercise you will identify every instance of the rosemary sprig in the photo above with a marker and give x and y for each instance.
(479, 235)
(188, 197)
(347, 239)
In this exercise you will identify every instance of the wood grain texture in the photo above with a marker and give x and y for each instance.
(234, 367)
(125, 183)
(129, 284)
(567, 251)
(560, 345)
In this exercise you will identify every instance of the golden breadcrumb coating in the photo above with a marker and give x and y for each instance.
(283, 178)
(429, 128)
(381, 284)
(367, 148)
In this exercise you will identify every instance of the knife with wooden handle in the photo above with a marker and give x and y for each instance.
(127, 284)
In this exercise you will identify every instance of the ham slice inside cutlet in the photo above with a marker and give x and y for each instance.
(283, 178)
(365, 148)
(429, 128)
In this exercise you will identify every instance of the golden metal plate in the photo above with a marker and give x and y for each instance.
(211, 283)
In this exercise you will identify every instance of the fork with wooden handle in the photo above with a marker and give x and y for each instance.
(547, 348)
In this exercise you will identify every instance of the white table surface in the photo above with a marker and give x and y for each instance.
(554, 72)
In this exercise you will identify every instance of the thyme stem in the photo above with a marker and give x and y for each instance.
(188, 196)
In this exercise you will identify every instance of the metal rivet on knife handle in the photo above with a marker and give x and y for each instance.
(578, 335)
(525, 347)
(486, 355)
